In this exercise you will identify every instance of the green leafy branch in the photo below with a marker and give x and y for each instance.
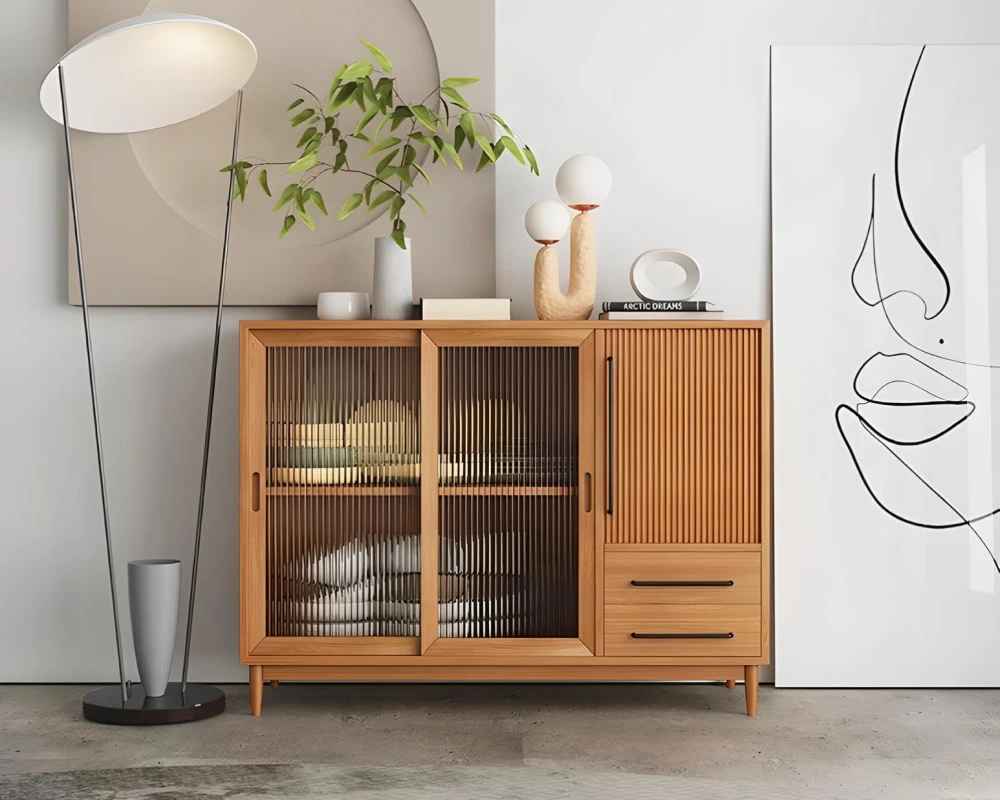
(442, 123)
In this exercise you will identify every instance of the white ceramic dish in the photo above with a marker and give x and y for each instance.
(343, 305)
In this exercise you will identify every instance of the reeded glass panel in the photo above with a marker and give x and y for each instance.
(343, 461)
(508, 481)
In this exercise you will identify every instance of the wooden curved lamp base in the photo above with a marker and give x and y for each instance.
(578, 302)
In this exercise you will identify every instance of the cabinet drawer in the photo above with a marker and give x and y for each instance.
(681, 630)
(726, 577)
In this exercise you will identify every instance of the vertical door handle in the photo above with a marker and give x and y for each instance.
(588, 493)
(255, 491)
(611, 434)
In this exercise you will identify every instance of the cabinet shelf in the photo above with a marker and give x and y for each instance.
(507, 491)
(327, 491)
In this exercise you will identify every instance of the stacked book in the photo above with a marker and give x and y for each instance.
(661, 310)
(474, 308)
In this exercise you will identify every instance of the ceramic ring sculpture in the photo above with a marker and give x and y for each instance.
(645, 285)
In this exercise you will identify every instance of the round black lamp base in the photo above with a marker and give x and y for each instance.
(196, 702)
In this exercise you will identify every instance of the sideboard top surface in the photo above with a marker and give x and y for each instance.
(523, 325)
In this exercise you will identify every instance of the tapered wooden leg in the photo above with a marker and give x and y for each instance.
(274, 684)
(750, 674)
(730, 684)
(256, 689)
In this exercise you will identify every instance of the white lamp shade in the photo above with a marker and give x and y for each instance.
(546, 221)
(149, 72)
(583, 182)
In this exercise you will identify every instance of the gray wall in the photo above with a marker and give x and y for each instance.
(673, 93)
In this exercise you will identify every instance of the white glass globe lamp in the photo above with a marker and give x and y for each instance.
(583, 182)
(546, 221)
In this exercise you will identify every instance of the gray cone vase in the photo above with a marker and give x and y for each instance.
(154, 592)
(392, 282)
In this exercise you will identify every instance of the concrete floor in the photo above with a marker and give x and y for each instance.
(858, 744)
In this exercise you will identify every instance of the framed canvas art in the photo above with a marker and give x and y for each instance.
(153, 204)
(886, 216)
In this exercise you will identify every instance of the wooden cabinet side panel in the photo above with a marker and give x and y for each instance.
(253, 523)
(688, 432)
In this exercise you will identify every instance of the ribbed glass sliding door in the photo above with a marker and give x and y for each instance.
(509, 494)
(342, 485)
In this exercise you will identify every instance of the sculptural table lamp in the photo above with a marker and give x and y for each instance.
(583, 183)
(138, 75)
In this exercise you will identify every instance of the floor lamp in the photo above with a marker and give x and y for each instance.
(138, 75)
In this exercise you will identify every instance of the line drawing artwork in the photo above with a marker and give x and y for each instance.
(910, 391)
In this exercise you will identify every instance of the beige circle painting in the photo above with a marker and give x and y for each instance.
(303, 42)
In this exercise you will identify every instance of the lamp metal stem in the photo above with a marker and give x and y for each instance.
(211, 395)
(93, 384)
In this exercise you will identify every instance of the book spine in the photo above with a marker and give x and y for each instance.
(672, 305)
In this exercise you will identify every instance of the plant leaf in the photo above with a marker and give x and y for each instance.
(262, 177)
(335, 84)
(289, 222)
(487, 148)
(317, 199)
(381, 124)
(241, 181)
(531, 159)
(396, 206)
(313, 145)
(456, 98)
(363, 137)
(458, 83)
(483, 161)
(344, 94)
(286, 195)
(306, 219)
(305, 163)
(468, 123)
(369, 91)
(385, 161)
(368, 190)
(295, 104)
(399, 238)
(383, 197)
(359, 69)
(416, 200)
(405, 174)
(350, 204)
(511, 145)
(339, 162)
(368, 117)
(302, 116)
(409, 154)
(330, 124)
(385, 144)
(231, 167)
(306, 136)
(460, 137)
(423, 172)
(435, 145)
(426, 118)
(503, 124)
(450, 150)
(380, 57)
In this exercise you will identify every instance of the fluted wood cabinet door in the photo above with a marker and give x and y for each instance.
(685, 422)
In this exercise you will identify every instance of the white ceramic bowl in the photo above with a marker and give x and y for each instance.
(343, 305)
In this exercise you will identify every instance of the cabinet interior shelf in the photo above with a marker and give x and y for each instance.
(507, 491)
(403, 491)
(412, 491)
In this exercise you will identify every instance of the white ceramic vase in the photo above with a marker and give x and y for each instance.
(154, 592)
(392, 284)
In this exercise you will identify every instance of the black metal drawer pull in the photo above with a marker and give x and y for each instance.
(682, 635)
(683, 583)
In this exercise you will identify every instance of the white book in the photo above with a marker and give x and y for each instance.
(476, 308)
(662, 316)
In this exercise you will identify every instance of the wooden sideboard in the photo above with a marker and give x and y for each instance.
(505, 501)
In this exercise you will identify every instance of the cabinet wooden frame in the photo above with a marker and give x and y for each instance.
(428, 657)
